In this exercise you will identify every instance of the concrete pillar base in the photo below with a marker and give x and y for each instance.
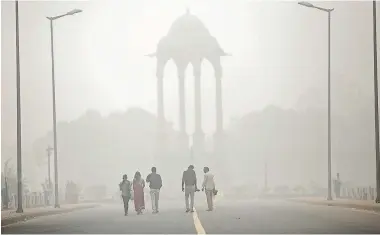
(183, 143)
(219, 156)
(198, 144)
(218, 142)
(161, 146)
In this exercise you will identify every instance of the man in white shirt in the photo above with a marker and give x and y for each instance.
(209, 187)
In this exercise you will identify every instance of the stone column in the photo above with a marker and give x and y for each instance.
(219, 104)
(160, 101)
(161, 135)
(220, 148)
(198, 137)
(183, 138)
(219, 135)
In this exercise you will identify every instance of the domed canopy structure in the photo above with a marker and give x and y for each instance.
(189, 41)
(188, 23)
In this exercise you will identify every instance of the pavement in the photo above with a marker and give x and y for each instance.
(347, 203)
(230, 216)
(11, 217)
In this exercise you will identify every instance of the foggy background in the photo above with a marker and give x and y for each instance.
(274, 88)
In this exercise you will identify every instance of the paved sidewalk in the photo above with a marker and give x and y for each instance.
(357, 204)
(10, 216)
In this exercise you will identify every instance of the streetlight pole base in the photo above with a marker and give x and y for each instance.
(377, 199)
(57, 206)
(329, 198)
(19, 210)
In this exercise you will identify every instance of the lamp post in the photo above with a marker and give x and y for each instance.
(307, 4)
(72, 12)
(19, 163)
(376, 103)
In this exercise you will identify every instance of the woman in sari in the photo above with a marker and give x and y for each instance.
(138, 193)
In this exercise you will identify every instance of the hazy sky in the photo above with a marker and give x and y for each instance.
(279, 52)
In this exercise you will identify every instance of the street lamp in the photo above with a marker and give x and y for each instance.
(307, 4)
(72, 12)
(18, 95)
(376, 103)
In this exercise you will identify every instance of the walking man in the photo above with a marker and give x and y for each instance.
(337, 186)
(209, 187)
(189, 186)
(155, 184)
(125, 188)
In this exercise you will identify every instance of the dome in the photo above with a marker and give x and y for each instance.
(188, 38)
(188, 24)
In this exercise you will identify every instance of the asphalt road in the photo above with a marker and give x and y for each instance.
(229, 216)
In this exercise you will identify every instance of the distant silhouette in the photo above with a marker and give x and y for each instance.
(337, 185)
(5, 196)
(72, 192)
(87, 136)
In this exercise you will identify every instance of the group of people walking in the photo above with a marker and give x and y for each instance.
(189, 186)
(135, 190)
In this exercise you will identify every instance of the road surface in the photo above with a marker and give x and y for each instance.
(229, 216)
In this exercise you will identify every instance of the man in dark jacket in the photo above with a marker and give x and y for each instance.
(155, 184)
(189, 186)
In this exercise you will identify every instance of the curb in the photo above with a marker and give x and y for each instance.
(26, 216)
(345, 205)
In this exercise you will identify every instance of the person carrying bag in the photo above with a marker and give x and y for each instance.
(209, 187)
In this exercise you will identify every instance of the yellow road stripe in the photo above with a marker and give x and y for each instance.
(198, 224)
